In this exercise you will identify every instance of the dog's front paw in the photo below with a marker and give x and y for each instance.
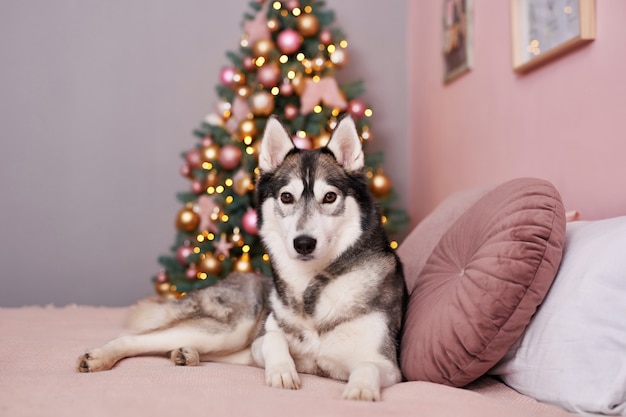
(185, 356)
(361, 392)
(94, 361)
(282, 376)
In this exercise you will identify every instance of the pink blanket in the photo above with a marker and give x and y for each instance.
(39, 347)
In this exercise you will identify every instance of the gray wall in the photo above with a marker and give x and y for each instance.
(98, 100)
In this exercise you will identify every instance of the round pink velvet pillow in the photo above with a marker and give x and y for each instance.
(483, 282)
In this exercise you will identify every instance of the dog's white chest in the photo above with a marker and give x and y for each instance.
(333, 353)
(339, 299)
(325, 339)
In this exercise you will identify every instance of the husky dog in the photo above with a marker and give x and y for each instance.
(334, 307)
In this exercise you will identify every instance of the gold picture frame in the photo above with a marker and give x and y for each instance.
(544, 29)
(456, 38)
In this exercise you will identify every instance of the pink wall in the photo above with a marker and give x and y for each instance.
(564, 122)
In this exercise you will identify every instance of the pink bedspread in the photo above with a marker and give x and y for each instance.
(39, 347)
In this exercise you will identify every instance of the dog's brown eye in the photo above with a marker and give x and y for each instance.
(329, 198)
(286, 198)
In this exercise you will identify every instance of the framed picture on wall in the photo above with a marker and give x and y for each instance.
(545, 29)
(457, 38)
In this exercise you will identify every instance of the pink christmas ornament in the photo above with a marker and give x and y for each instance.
(249, 221)
(289, 41)
(191, 272)
(185, 170)
(161, 276)
(248, 63)
(357, 108)
(292, 4)
(196, 186)
(268, 75)
(302, 143)
(286, 88)
(230, 157)
(183, 252)
(206, 141)
(291, 111)
(239, 112)
(226, 75)
(193, 158)
(326, 37)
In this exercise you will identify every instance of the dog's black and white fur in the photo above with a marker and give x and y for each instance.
(335, 306)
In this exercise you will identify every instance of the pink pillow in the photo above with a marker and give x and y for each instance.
(483, 281)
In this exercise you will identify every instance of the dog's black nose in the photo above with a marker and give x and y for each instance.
(304, 245)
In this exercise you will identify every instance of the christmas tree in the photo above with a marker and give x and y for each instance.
(285, 65)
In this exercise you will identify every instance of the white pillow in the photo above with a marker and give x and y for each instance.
(573, 352)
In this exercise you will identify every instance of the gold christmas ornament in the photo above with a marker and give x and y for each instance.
(209, 264)
(263, 47)
(173, 294)
(339, 57)
(177, 295)
(261, 103)
(307, 64)
(380, 184)
(212, 179)
(237, 237)
(308, 24)
(239, 78)
(318, 63)
(256, 147)
(187, 219)
(366, 133)
(243, 264)
(247, 128)
(223, 107)
(243, 91)
(162, 288)
(298, 83)
(242, 183)
(214, 119)
(321, 140)
(272, 24)
(210, 153)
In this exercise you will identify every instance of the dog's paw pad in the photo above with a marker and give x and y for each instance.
(185, 356)
(360, 393)
(94, 361)
(283, 377)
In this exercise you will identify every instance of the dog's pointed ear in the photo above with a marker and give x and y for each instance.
(346, 145)
(275, 145)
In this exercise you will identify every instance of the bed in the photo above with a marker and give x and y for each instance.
(449, 370)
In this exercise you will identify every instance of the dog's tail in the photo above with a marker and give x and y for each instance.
(151, 313)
